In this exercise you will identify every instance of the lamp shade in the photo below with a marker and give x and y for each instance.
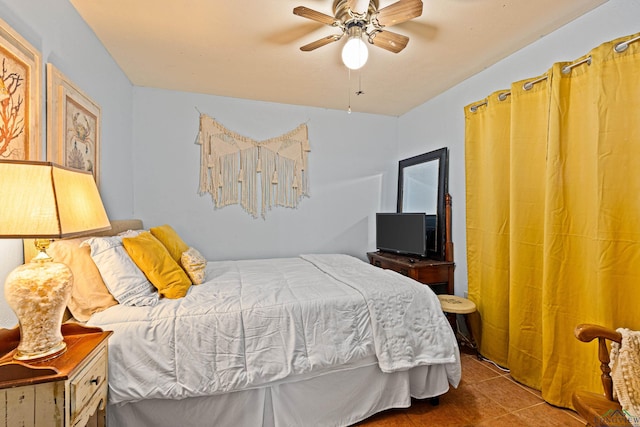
(45, 200)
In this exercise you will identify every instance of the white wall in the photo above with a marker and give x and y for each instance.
(352, 173)
(440, 122)
(55, 29)
(63, 39)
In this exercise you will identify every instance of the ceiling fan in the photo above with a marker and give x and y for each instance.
(363, 18)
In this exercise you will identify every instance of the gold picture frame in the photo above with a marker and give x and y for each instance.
(73, 125)
(20, 94)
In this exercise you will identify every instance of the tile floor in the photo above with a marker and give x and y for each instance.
(486, 397)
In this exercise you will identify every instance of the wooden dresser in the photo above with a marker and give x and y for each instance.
(437, 274)
(64, 391)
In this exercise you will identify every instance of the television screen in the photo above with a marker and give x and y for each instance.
(404, 233)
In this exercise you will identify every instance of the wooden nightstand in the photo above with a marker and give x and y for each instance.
(437, 274)
(64, 391)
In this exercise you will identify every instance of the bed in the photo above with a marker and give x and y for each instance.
(318, 340)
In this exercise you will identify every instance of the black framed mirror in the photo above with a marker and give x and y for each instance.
(422, 185)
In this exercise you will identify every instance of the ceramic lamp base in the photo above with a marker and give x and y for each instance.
(38, 293)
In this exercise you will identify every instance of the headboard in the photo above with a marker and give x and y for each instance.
(117, 226)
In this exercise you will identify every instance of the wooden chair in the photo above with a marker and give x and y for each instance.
(599, 409)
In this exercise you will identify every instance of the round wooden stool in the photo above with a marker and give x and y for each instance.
(453, 305)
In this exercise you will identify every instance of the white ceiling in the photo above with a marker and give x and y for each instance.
(250, 48)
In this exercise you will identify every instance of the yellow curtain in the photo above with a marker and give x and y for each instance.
(487, 199)
(529, 119)
(573, 214)
(592, 235)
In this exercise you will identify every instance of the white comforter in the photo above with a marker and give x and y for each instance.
(257, 322)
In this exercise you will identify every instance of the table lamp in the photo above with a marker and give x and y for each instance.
(44, 201)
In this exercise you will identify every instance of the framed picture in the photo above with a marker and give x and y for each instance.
(73, 125)
(20, 92)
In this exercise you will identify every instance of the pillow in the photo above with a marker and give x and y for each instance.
(158, 265)
(89, 294)
(129, 233)
(194, 264)
(123, 278)
(170, 239)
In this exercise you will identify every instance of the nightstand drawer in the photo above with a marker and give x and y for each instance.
(64, 391)
(90, 380)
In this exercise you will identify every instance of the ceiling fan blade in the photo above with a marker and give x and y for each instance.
(392, 42)
(321, 42)
(398, 12)
(305, 12)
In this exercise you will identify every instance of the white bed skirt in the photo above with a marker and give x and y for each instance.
(334, 399)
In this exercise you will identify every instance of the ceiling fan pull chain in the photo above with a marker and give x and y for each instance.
(360, 91)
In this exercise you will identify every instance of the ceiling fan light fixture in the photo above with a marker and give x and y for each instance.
(355, 52)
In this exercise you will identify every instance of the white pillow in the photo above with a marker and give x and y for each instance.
(126, 282)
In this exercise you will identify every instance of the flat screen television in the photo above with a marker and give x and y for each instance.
(405, 233)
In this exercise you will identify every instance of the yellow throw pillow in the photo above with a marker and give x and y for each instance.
(194, 264)
(170, 239)
(153, 258)
(89, 294)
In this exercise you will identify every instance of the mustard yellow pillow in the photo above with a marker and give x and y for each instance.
(170, 239)
(153, 258)
(194, 264)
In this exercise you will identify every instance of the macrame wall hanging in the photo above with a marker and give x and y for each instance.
(233, 167)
